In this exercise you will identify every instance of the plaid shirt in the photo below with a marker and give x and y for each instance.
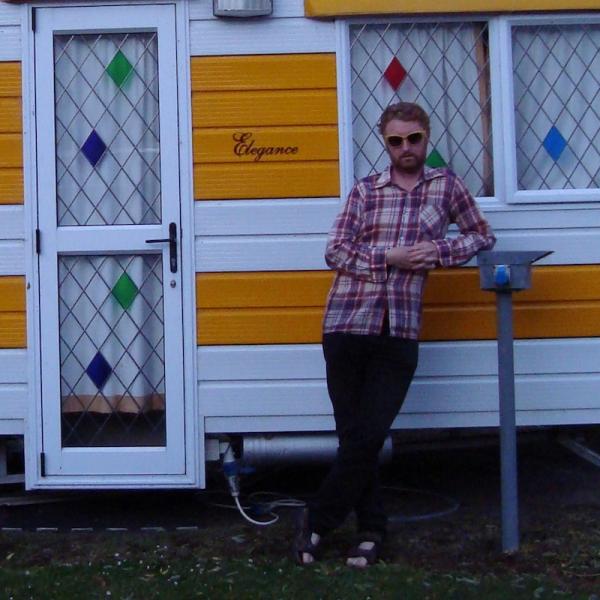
(379, 215)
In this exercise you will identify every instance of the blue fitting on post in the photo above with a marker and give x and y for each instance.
(501, 275)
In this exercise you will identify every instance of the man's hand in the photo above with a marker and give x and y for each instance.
(420, 256)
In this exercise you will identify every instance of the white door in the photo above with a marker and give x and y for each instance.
(111, 334)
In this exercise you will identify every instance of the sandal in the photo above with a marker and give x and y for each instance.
(371, 555)
(302, 541)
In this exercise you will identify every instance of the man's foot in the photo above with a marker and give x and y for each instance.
(305, 549)
(364, 554)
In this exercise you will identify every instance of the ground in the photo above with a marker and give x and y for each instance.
(559, 513)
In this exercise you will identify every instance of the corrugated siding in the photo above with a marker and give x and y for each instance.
(265, 126)
(11, 138)
(12, 312)
(285, 308)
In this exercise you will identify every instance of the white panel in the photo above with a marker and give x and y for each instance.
(10, 14)
(271, 388)
(13, 401)
(202, 9)
(436, 359)
(11, 223)
(13, 366)
(12, 258)
(10, 42)
(428, 421)
(264, 36)
(272, 235)
(256, 217)
(260, 253)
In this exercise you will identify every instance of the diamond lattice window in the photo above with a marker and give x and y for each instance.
(557, 106)
(445, 69)
(112, 350)
(107, 129)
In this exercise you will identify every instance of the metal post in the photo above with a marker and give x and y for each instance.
(508, 426)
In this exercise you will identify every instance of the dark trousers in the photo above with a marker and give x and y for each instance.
(367, 379)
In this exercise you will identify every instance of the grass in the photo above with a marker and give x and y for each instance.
(168, 566)
(456, 556)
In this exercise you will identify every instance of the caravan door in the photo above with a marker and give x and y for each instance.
(111, 339)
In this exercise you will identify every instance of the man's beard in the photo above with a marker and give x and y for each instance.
(410, 167)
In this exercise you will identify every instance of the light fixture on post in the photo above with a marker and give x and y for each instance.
(242, 8)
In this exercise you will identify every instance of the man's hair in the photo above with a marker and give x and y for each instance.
(404, 111)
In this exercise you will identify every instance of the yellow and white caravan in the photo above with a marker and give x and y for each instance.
(168, 176)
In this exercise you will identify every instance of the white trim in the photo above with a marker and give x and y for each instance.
(33, 439)
(194, 426)
(344, 88)
(10, 43)
(264, 36)
(177, 58)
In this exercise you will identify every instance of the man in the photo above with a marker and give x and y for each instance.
(391, 232)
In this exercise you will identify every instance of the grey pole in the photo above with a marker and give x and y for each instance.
(508, 426)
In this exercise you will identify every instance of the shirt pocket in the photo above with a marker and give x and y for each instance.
(432, 221)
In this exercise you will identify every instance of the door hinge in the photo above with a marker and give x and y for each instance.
(38, 237)
(43, 464)
(33, 20)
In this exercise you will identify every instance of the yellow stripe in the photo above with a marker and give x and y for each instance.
(10, 115)
(11, 150)
(333, 8)
(283, 289)
(264, 108)
(284, 104)
(12, 312)
(11, 186)
(278, 308)
(10, 79)
(273, 180)
(263, 72)
(279, 144)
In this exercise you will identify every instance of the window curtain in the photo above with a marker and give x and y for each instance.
(557, 99)
(442, 67)
(108, 174)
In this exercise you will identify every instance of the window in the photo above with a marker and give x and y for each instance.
(512, 100)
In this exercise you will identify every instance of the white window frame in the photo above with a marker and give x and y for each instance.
(504, 157)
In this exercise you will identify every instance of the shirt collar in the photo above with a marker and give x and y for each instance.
(385, 177)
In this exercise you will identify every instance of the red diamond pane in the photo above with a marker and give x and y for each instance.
(395, 73)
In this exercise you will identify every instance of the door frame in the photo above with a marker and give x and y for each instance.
(194, 475)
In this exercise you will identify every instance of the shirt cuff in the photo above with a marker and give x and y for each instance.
(443, 250)
(378, 265)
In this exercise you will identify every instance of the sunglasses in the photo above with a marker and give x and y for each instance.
(413, 138)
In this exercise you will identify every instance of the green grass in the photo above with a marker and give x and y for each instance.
(235, 579)
(167, 565)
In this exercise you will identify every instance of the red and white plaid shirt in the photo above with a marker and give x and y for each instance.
(379, 215)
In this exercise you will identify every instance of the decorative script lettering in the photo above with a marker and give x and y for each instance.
(245, 145)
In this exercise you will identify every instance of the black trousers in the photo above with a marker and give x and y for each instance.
(367, 379)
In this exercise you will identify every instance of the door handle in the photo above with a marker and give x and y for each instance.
(172, 239)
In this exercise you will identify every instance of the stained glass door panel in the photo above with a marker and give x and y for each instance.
(109, 278)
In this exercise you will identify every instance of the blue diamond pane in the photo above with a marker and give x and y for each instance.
(99, 370)
(554, 143)
(93, 148)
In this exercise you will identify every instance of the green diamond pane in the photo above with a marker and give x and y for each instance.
(435, 160)
(119, 68)
(125, 291)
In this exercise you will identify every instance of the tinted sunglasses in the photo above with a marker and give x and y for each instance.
(413, 138)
